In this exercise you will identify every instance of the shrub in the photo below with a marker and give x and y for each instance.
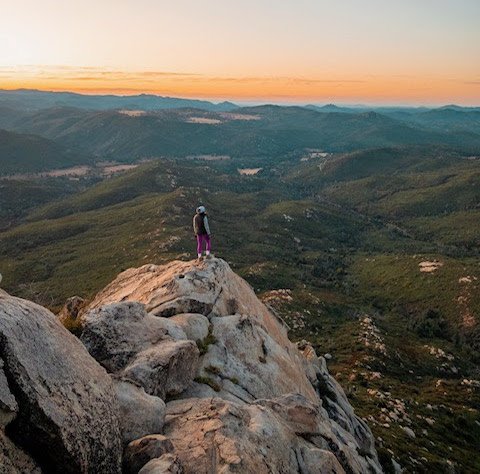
(432, 324)
(73, 325)
(208, 381)
(203, 345)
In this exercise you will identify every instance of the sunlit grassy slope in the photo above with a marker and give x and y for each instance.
(345, 235)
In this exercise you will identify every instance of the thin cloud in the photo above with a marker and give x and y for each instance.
(43, 70)
(288, 79)
(90, 74)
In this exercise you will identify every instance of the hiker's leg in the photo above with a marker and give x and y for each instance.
(209, 244)
(199, 245)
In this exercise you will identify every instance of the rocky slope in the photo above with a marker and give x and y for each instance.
(202, 379)
(56, 402)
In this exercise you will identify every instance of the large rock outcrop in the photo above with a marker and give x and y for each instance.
(153, 352)
(209, 287)
(258, 403)
(58, 411)
(283, 435)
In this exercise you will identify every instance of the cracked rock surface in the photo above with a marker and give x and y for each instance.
(254, 402)
(137, 346)
(179, 369)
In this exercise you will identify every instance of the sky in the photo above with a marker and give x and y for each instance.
(319, 51)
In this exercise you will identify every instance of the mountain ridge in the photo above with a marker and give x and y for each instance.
(37, 99)
(265, 131)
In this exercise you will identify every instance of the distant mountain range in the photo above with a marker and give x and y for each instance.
(266, 132)
(34, 100)
(387, 109)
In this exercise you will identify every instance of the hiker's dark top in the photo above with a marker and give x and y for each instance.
(200, 224)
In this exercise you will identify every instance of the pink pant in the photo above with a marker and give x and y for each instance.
(200, 240)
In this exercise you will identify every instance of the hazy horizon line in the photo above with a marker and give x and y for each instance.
(291, 101)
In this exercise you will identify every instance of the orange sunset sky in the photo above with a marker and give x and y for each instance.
(345, 51)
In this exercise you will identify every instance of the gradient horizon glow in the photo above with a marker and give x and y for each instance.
(348, 51)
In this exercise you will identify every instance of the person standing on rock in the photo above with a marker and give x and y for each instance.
(202, 231)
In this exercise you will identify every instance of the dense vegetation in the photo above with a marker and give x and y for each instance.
(21, 153)
(260, 133)
(336, 243)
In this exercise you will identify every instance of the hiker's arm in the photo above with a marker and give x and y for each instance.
(205, 222)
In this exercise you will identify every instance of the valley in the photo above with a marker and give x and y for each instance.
(360, 229)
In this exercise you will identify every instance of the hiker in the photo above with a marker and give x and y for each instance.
(202, 231)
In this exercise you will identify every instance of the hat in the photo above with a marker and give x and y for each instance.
(201, 209)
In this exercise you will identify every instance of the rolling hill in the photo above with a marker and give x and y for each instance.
(270, 132)
(386, 161)
(450, 119)
(369, 251)
(25, 153)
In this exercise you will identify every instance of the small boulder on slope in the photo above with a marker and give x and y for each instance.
(140, 451)
(166, 464)
(195, 326)
(140, 414)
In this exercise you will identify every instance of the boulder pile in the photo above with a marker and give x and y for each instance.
(186, 372)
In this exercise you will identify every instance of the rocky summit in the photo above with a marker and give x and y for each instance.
(179, 369)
